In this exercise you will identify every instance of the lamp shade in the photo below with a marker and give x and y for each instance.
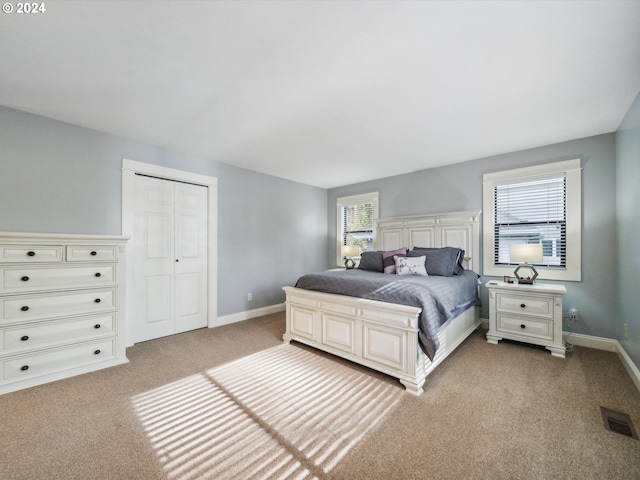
(350, 250)
(526, 253)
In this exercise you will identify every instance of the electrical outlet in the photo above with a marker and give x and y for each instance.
(249, 296)
(626, 330)
(573, 313)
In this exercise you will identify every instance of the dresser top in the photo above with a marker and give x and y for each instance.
(43, 238)
(526, 288)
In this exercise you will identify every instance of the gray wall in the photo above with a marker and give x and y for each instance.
(459, 187)
(60, 178)
(628, 222)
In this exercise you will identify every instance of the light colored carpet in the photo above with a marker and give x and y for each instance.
(234, 402)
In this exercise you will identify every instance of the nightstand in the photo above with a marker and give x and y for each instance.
(527, 313)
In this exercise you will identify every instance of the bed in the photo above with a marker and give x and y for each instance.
(390, 336)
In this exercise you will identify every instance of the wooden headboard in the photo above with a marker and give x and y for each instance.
(451, 229)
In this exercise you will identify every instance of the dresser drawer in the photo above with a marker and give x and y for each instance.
(30, 254)
(525, 327)
(23, 279)
(52, 361)
(53, 333)
(34, 307)
(83, 253)
(525, 305)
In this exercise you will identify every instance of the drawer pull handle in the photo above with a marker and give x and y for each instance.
(24, 368)
(98, 274)
(31, 253)
(25, 279)
(523, 326)
(97, 325)
(25, 308)
(24, 338)
(97, 352)
(97, 300)
(94, 253)
(522, 305)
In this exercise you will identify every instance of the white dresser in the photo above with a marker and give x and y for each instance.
(527, 313)
(61, 306)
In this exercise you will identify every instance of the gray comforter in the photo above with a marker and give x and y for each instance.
(441, 298)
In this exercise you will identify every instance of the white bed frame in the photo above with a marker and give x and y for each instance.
(384, 336)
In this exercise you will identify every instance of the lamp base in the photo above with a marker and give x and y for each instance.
(349, 264)
(530, 278)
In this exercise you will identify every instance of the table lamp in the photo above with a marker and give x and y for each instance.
(349, 251)
(525, 253)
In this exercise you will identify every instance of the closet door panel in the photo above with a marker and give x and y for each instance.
(191, 213)
(154, 258)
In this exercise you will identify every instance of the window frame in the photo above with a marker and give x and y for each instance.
(341, 202)
(573, 221)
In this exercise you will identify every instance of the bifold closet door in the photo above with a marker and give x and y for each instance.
(170, 258)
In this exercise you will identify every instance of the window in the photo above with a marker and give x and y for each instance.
(534, 205)
(355, 217)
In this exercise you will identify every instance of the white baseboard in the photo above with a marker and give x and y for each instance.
(589, 341)
(629, 366)
(248, 314)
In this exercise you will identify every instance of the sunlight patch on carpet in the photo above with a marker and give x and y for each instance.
(284, 412)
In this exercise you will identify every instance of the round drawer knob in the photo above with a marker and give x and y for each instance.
(24, 368)
(97, 325)
(97, 300)
(98, 274)
(94, 253)
(24, 338)
(522, 305)
(97, 352)
(25, 308)
(25, 279)
(31, 253)
(523, 326)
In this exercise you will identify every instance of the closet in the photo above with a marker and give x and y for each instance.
(170, 237)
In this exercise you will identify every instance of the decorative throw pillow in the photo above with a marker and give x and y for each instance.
(443, 261)
(410, 266)
(371, 261)
(387, 259)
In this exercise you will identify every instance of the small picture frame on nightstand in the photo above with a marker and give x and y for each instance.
(507, 279)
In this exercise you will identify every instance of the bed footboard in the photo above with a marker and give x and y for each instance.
(382, 336)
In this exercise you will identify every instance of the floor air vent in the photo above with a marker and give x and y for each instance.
(618, 422)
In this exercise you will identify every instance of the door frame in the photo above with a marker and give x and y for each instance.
(129, 170)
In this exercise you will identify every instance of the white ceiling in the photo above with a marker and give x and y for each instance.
(328, 93)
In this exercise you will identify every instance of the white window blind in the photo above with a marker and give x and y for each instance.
(532, 212)
(357, 222)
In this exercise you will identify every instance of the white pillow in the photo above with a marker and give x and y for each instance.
(410, 266)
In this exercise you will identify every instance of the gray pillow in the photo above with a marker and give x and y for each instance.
(371, 261)
(445, 261)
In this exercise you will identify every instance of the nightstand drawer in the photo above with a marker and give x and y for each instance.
(525, 305)
(525, 327)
